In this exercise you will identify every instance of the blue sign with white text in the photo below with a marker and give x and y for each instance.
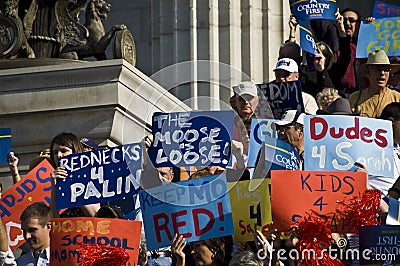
(283, 96)
(307, 42)
(260, 128)
(313, 9)
(336, 142)
(5, 144)
(191, 139)
(384, 10)
(100, 176)
(381, 34)
(197, 209)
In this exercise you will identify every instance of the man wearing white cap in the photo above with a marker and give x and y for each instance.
(287, 70)
(291, 130)
(245, 101)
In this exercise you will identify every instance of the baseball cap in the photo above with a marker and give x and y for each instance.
(89, 143)
(246, 87)
(287, 64)
(289, 118)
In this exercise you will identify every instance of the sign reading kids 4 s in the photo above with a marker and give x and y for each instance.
(191, 138)
(337, 142)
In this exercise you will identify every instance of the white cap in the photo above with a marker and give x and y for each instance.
(246, 87)
(287, 64)
(290, 117)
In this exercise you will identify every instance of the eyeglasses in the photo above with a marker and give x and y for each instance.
(349, 19)
(380, 68)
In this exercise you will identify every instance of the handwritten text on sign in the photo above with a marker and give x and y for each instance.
(337, 142)
(382, 10)
(68, 233)
(314, 192)
(197, 209)
(100, 176)
(191, 138)
(251, 208)
(313, 9)
(283, 96)
(34, 187)
(381, 34)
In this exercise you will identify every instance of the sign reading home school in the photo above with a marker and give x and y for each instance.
(191, 138)
(283, 96)
(313, 9)
(197, 209)
(100, 176)
(337, 142)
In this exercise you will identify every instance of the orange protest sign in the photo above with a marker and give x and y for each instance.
(294, 194)
(34, 187)
(67, 234)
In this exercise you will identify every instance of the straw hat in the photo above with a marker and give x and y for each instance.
(377, 57)
(45, 154)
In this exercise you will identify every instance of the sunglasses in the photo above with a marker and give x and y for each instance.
(349, 19)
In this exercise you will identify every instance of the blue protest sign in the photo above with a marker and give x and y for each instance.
(307, 42)
(379, 245)
(393, 217)
(336, 142)
(383, 10)
(280, 155)
(381, 34)
(313, 9)
(259, 129)
(5, 144)
(283, 96)
(100, 176)
(191, 139)
(197, 209)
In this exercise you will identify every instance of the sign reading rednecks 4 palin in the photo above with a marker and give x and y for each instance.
(337, 142)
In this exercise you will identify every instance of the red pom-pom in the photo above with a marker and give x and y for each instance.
(98, 255)
(361, 211)
(314, 235)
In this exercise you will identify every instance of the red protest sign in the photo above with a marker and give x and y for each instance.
(294, 194)
(34, 187)
(68, 233)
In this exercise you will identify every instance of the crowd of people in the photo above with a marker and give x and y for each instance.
(333, 82)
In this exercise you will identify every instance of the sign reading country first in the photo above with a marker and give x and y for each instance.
(191, 138)
(313, 9)
(99, 176)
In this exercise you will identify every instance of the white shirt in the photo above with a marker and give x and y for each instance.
(29, 260)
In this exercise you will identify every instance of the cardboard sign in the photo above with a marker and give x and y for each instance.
(307, 41)
(191, 138)
(313, 9)
(283, 96)
(34, 187)
(393, 217)
(100, 176)
(68, 233)
(280, 155)
(197, 209)
(381, 34)
(251, 208)
(383, 10)
(297, 194)
(336, 142)
(5, 144)
(259, 129)
(379, 245)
